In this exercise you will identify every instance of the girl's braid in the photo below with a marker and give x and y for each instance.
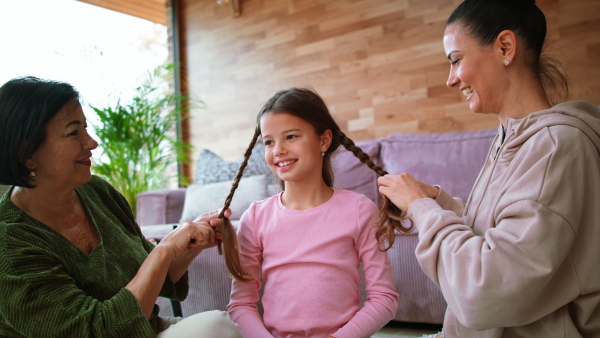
(391, 217)
(232, 256)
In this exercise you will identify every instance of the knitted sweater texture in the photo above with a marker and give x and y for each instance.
(49, 288)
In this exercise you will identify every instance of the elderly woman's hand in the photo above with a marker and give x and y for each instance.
(191, 237)
(215, 223)
(404, 189)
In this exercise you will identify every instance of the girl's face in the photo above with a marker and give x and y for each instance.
(474, 70)
(64, 157)
(292, 148)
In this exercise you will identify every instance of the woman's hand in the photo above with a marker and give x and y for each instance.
(404, 189)
(171, 257)
(191, 237)
(215, 223)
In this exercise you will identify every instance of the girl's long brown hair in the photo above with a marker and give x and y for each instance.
(232, 251)
(390, 216)
(308, 105)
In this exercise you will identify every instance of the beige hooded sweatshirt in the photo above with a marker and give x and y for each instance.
(522, 257)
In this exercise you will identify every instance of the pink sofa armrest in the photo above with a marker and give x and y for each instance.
(160, 206)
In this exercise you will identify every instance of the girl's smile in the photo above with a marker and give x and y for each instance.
(285, 164)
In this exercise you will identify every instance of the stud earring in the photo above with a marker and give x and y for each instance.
(506, 62)
(32, 174)
(323, 154)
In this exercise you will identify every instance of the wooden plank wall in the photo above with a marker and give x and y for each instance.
(379, 64)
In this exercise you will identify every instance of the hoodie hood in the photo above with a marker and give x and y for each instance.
(579, 114)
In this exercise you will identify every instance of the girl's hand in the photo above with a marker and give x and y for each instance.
(404, 189)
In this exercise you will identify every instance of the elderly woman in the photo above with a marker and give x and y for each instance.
(74, 262)
(522, 257)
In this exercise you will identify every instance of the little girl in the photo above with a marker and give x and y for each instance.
(308, 241)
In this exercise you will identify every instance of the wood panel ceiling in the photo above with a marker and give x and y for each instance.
(152, 10)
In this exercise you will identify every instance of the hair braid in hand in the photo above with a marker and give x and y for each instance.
(391, 217)
(232, 255)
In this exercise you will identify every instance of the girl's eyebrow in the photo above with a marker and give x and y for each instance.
(283, 132)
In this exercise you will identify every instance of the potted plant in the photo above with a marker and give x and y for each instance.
(138, 142)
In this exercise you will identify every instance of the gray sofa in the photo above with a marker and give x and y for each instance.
(452, 160)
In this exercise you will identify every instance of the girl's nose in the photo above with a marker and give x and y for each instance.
(279, 149)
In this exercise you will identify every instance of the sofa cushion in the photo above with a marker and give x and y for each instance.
(211, 168)
(427, 157)
(351, 174)
(160, 206)
(202, 198)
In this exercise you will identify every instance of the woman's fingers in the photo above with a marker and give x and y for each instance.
(402, 189)
(202, 234)
(204, 231)
(212, 215)
(190, 236)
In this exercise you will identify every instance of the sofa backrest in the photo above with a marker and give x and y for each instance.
(452, 160)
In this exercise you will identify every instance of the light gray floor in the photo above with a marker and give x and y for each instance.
(398, 330)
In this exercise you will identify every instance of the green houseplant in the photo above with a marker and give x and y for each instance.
(138, 142)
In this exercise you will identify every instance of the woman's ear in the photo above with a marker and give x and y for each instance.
(30, 164)
(506, 46)
(326, 139)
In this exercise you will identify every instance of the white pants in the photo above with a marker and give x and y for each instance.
(207, 324)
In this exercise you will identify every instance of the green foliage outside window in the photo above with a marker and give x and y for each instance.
(138, 141)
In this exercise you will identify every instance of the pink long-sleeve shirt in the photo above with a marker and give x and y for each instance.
(309, 261)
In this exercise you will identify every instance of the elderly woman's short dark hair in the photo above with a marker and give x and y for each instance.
(27, 104)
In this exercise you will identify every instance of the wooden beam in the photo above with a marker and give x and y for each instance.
(151, 10)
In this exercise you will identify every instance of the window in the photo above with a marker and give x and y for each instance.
(102, 53)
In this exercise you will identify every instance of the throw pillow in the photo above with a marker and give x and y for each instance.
(202, 198)
(211, 168)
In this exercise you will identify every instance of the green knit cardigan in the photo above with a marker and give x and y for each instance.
(49, 288)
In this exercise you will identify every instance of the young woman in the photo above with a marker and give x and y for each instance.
(521, 257)
(307, 242)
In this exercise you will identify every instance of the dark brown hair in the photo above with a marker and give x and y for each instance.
(27, 104)
(483, 20)
(308, 105)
